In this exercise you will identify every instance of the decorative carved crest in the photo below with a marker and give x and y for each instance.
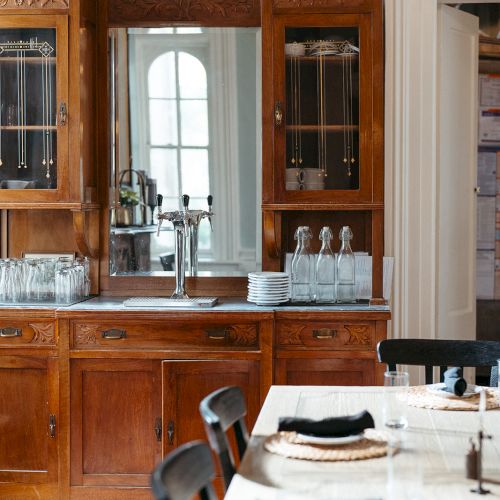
(290, 334)
(242, 335)
(358, 335)
(85, 335)
(228, 11)
(284, 4)
(34, 4)
(44, 333)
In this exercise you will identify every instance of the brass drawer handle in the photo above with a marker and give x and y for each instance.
(324, 333)
(11, 332)
(217, 334)
(114, 334)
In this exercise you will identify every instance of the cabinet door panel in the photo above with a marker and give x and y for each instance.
(186, 383)
(115, 405)
(28, 396)
(323, 371)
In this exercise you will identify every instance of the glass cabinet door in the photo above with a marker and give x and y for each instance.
(322, 109)
(32, 105)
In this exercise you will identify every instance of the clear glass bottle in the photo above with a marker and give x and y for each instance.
(302, 266)
(325, 269)
(346, 291)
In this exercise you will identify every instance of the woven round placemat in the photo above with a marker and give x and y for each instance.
(419, 396)
(288, 444)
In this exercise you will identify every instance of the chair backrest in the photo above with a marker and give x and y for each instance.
(220, 410)
(185, 472)
(442, 353)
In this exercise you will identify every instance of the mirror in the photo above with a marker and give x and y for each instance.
(186, 117)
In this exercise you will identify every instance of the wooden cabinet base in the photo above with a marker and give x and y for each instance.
(122, 401)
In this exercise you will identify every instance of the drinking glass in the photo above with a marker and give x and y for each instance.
(396, 385)
(405, 468)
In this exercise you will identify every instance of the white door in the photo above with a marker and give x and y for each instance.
(457, 131)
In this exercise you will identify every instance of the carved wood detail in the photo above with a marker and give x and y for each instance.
(284, 4)
(242, 335)
(358, 335)
(86, 335)
(290, 334)
(34, 4)
(44, 333)
(229, 12)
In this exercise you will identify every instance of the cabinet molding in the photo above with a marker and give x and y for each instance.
(359, 335)
(44, 333)
(34, 4)
(86, 334)
(283, 4)
(206, 12)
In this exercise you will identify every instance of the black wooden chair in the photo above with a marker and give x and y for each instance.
(442, 353)
(220, 410)
(186, 471)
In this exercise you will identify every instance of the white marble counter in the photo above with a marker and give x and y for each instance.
(224, 305)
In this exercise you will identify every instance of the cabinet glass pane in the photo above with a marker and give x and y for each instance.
(322, 108)
(28, 109)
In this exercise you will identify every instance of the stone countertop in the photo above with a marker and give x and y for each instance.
(225, 304)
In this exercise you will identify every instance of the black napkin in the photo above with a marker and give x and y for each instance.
(454, 382)
(328, 427)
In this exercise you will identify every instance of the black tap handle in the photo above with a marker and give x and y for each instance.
(185, 201)
(210, 200)
(159, 200)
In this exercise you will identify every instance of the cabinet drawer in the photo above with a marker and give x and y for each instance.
(352, 335)
(27, 333)
(162, 335)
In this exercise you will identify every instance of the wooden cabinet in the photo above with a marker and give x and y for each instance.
(115, 421)
(323, 127)
(34, 117)
(315, 349)
(29, 419)
(186, 383)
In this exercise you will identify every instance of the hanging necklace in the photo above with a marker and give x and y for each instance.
(25, 132)
(353, 159)
(44, 119)
(18, 71)
(1, 109)
(51, 158)
(292, 95)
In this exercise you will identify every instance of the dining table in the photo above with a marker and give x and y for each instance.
(426, 461)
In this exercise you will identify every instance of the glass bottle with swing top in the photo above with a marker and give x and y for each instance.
(346, 291)
(325, 269)
(302, 266)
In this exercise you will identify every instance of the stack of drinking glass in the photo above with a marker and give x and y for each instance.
(62, 280)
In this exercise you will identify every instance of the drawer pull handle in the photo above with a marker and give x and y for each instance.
(324, 333)
(114, 334)
(52, 426)
(217, 334)
(170, 432)
(11, 332)
(158, 428)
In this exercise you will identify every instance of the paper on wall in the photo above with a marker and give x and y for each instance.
(486, 222)
(485, 273)
(486, 173)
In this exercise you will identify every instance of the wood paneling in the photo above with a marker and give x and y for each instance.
(28, 396)
(186, 383)
(27, 333)
(325, 371)
(114, 407)
(330, 335)
(201, 12)
(34, 4)
(166, 335)
(315, 5)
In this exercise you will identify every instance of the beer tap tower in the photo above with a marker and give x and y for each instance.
(186, 223)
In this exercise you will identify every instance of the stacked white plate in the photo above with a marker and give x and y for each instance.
(267, 288)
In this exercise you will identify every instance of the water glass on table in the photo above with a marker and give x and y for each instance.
(396, 385)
